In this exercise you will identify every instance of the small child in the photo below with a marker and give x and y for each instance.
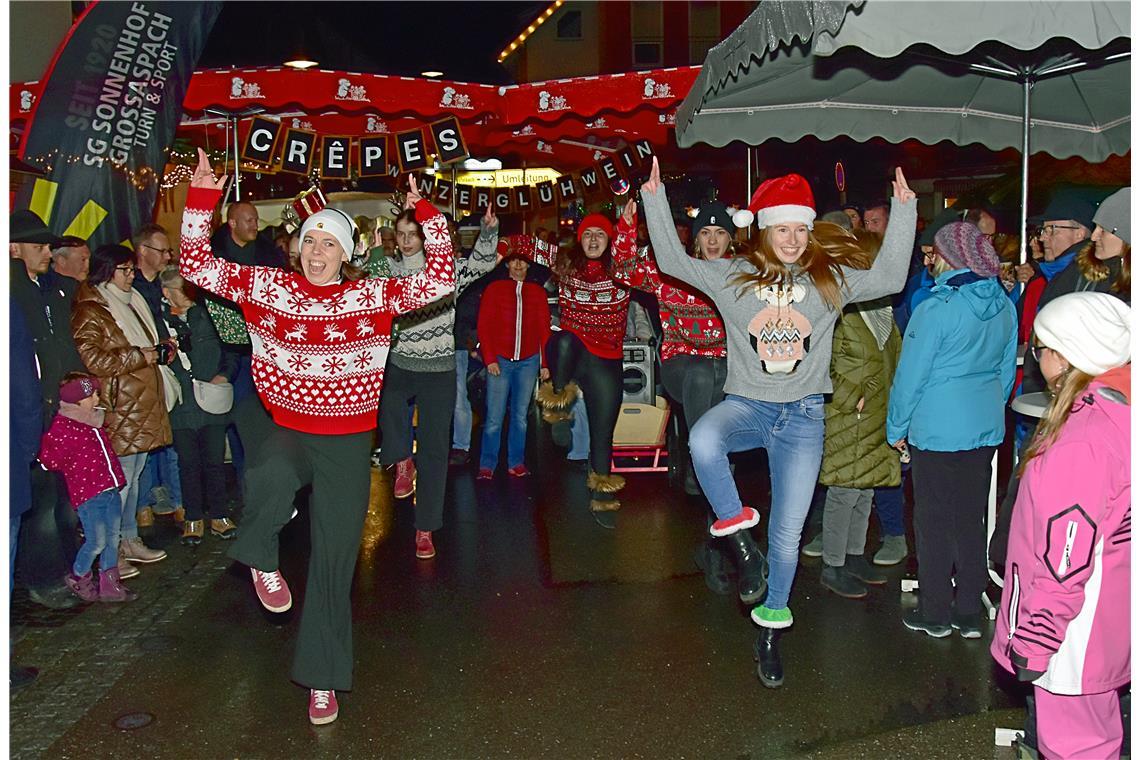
(77, 446)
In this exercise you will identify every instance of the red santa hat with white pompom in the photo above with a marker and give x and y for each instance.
(779, 200)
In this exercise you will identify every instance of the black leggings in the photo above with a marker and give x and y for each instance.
(600, 381)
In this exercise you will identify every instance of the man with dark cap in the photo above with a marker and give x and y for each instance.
(47, 531)
(1066, 227)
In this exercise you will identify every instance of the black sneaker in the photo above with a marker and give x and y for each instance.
(967, 626)
(914, 620)
(839, 581)
(458, 458)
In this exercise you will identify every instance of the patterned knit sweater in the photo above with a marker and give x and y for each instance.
(424, 339)
(689, 322)
(590, 303)
(318, 351)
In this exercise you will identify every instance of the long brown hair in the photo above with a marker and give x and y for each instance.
(829, 248)
(1066, 388)
(1095, 270)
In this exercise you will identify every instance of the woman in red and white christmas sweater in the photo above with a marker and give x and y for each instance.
(586, 352)
(694, 352)
(320, 340)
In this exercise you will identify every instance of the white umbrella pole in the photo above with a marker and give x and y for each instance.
(1026, 86)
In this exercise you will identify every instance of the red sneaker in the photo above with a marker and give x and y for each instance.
(322, 706)
(485, 473)
(518, 471)
(425, 549)
(405, 478)
(746, 519)
(272, 591)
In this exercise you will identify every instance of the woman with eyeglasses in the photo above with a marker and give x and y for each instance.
(948, 404)
(120, 343)
(1064, 618)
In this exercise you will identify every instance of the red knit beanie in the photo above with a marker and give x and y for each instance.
(599, 221)
(77, 389)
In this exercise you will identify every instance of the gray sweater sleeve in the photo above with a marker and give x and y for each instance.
(482, 259)
(887, 275)
(671, 257)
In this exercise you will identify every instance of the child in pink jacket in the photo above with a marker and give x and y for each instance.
(77, 446)
(1064, 622)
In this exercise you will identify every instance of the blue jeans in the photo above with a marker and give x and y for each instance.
(132, 465)
(100, 516)
(461, 418)
(579, 431)
(889, 508)
(161, 469)
(514, 383)
(792, 434)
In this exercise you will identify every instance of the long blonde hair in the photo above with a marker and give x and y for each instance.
(1066, 388)
(829, 248)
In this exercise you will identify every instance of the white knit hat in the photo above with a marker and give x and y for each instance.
(1092, 330)
(336, 223)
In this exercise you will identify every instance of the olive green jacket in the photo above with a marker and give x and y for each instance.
(855, 449)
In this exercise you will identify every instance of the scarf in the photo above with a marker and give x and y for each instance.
(1051, 269)
(879, 321)
(93, 417)
(132, 315)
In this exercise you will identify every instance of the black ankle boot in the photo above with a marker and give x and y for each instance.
(767, 654)
(711, 562)
(752, 582)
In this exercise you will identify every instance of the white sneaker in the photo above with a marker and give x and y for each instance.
(814, 548)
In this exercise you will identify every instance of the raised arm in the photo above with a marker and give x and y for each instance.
(483, 256)
(631, 268)
(887, 275)
(671, 257)
(437, 277)
(197, 262)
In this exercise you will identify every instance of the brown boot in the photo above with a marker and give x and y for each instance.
(555, 404)
(602, 489)
(145, 517)
(111, 589)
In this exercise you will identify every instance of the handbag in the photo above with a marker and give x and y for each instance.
(214, 398)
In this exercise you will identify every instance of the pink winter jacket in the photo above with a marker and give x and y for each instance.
(1065, 604)
(84, 455)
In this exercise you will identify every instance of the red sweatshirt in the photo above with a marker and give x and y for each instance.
(514, 321)
(318, 351)
(84, 455)
(690, 324)
(590, 304)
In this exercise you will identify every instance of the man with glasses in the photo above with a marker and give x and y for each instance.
(160, 488)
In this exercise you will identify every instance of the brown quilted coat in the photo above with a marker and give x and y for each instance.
(132, 389)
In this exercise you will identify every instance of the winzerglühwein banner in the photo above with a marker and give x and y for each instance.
(106, 117)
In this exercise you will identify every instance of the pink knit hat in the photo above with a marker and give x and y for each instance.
(965, 247)
(77, 389)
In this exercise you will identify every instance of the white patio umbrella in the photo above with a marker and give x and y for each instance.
(1040, 76)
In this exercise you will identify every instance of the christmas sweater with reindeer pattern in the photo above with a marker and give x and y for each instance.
(690, 324)
(318, 351)
(590, 303)
(779, 336)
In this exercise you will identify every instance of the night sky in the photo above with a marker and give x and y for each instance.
(402, 38)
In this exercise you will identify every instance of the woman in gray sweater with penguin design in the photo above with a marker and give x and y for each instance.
(780, 302)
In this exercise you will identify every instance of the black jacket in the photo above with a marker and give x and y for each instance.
(47, 314)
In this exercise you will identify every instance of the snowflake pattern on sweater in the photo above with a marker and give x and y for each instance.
(318, 351)
(590, 303)
(690, 324)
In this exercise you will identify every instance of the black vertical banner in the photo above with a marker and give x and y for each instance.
(464, 197)
(300, 148)
(261, 140)
(482, 199)
(373, 156)
(105, 120)
(334, 156)
(546, 197)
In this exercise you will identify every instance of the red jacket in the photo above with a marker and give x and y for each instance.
(84, 455)
(514, 321)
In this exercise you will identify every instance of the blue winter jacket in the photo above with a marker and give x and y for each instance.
(957, 366)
